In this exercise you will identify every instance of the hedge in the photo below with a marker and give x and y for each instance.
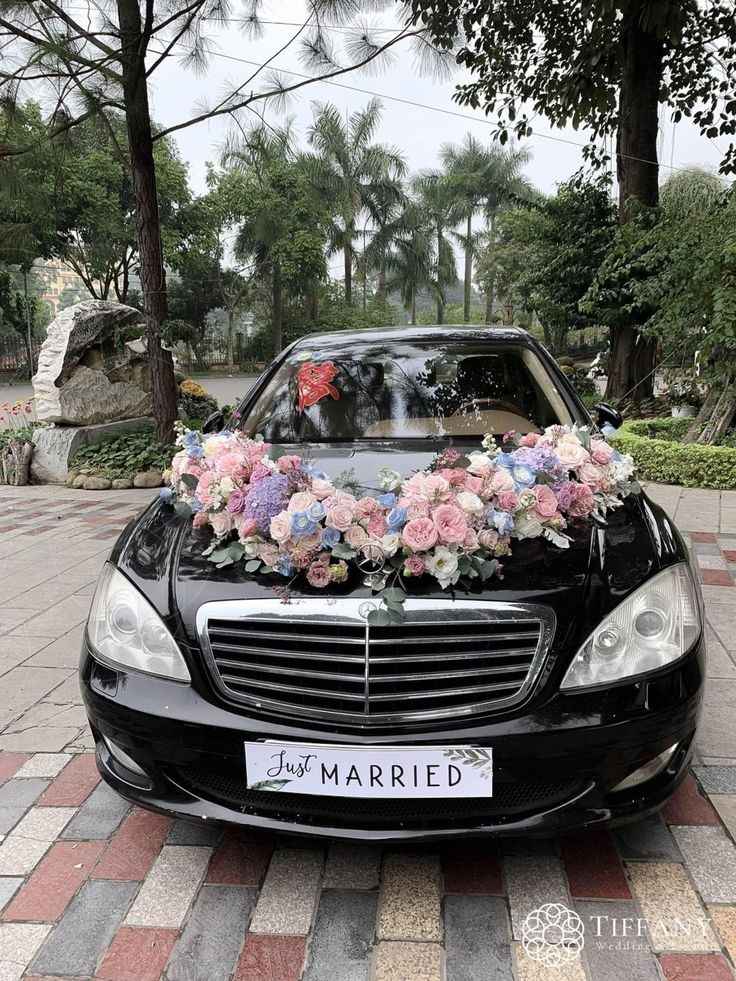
(660, 427)
(687, 464)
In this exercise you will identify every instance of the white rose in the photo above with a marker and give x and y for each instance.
(222, 523)
(442, 564)
(390, 544)
(480, 463)
(527, 526)
(571, 452)
(622, 469)
(470, 502)
(227, 486)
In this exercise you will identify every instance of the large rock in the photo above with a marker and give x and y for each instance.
(54, 446)
(82, 337)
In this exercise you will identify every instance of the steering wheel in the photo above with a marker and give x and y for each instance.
(475, 405)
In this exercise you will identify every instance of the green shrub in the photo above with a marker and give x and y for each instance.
(687, 464)
(663, 427)
(25, 433)
(124, 456)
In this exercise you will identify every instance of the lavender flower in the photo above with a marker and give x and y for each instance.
(266, 499)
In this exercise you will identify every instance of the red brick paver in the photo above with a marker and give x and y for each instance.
(703, 536)
(477, 870)
(716, 577)
(238, 862)
(137, 954)
(695, 967)
(10, 763)
(271, 958)
(74, 784)
(593, 867)
(689, 806)
(50, 888)
(134, 846)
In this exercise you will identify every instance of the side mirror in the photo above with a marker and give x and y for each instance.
(607, 415)
(214, 423)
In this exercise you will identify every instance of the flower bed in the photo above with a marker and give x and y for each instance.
(453, 522)
(122, 458)
(16, 446)
(671, 462)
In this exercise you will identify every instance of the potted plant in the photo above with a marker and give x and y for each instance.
(16, 448)
(683, 395)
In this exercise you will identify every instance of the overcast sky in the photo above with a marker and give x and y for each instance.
(177, 92)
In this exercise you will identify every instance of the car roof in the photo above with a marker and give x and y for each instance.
(424, 333)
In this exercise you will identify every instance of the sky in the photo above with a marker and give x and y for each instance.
(178, 92)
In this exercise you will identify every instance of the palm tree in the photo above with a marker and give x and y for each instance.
(439, 201)
(410, 262)
(352, 174)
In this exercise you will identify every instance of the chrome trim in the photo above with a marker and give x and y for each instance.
(444, 613)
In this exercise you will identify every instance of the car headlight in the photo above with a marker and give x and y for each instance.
(125, 630)
(656, 625)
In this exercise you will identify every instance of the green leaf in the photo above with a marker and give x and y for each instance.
(343, 551)
(253, 565)
(236, 551)
(220, 554)
(379, 618)
(394, 595)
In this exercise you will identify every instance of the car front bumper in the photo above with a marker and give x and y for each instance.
(555, 763)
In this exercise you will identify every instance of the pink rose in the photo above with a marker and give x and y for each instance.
(416, 505)
(288, 462)
(508, 501)
(529, 439)
(437, 487)
(231, 464)
(419, 534)
(318, 574)
(591, 475)
(583, 501)
(201, 518)
(455, 476)
(268, 553)
(470, 542)
(280, 526)
(473, 484)
(260, 471)
(245, 526)
(601, 452)
(450, 523)
(502, 481)
(488, 538)
(365, 507)
(322, 488)
(546, 502)
(300, 501)
(356, 536)
(414, 566)
(222, 523)
(377, 526)
(340, 517)
(571, 452)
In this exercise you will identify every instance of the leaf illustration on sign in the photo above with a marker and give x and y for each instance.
(479, 759)
(269, 784)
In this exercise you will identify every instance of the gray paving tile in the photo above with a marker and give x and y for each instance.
(725, 804)
(647, 839)
(60, 653)
(24, 686)
(717, 779)
(353, 866)
(99, 816)
(170, 887)
(86, 929)
(711, 860)
(9, 885)
(189, 833)
(289, 893)
(532, 881)
(210, 944)
(16, 796)
(717, 732)
(477, 938)
(613, 948)
(342, 935)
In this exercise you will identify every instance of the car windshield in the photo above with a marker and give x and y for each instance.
(381, 390)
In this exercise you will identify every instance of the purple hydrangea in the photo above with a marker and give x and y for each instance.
(266, 499)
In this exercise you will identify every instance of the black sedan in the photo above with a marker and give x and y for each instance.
(575, 681)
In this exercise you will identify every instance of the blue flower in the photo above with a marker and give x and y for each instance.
(302, 524)
(523, 476)
(504, 522)
(330, 537)
(396, 518)
(166, 493)
(316, 511)
(504, 460)
(314, 472)
(195, 506)
(284, 566)
(387, 500)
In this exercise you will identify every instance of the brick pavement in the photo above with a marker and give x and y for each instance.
(91, 888)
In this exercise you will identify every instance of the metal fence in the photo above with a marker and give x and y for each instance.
(14, 355)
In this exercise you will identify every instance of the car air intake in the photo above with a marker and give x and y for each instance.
(321, 661)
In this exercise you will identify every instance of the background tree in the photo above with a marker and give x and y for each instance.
(410, 262)
(606, 65)
(438, 200)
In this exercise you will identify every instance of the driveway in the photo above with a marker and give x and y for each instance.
(91, 888)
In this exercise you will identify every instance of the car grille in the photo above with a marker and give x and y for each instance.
(510, 801)
(445, 661)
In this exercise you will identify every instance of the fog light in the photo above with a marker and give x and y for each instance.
(648, 771)
(123, 759)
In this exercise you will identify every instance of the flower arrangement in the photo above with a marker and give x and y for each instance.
(453, 521)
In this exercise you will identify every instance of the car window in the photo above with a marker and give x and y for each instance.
(378, 391)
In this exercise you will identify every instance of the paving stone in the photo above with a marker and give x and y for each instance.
(16, 796)
(238, 861)
(717, 779)
(10, 763)
(532, 881)
(689, 806)
(593, 867)
(55, 880)
(290, 892)
(616, 944)
(725, 804)
(9, 885)
(410, 898)
(74, 784)
(715, 561)
(44, 765)
(675, 918)
(352, 866)
(342, 935)
(17, 648)
(18, 943)
(400, 960)
(647, 839)
(190, 833)
(99, 816)
(59, 618)
(473, 868)
(137, 954)
(67, 693)
(170, 887)
(272, 958)
(724, 919)
(715, 577)
(86, 930)
(23, 687)
(214, 934)
(43, 823)
(134, 847)
(711, 858)
(695, 967)
(19, 856)
(60, 653)
(42, 739)
(477, 938)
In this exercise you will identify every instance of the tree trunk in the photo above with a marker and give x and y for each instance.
(704, 413)
(348, 273)
(720, 416)
(631, 365)
(277, 303)
(381, 287)
(148, 227)
(468, 269)
(490, 290)
(230, 338)
(29, 329)
(440, 284)
(413, 308)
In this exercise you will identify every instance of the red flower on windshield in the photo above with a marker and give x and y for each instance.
(314, 383)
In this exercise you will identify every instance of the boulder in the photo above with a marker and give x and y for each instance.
(54, 446)
(88, 397)
(148, 478)
(122, 483)
(79, 482)
(97, 483)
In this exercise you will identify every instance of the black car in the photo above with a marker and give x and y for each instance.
(577, 677)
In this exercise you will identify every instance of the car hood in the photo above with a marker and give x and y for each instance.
(163, 554)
